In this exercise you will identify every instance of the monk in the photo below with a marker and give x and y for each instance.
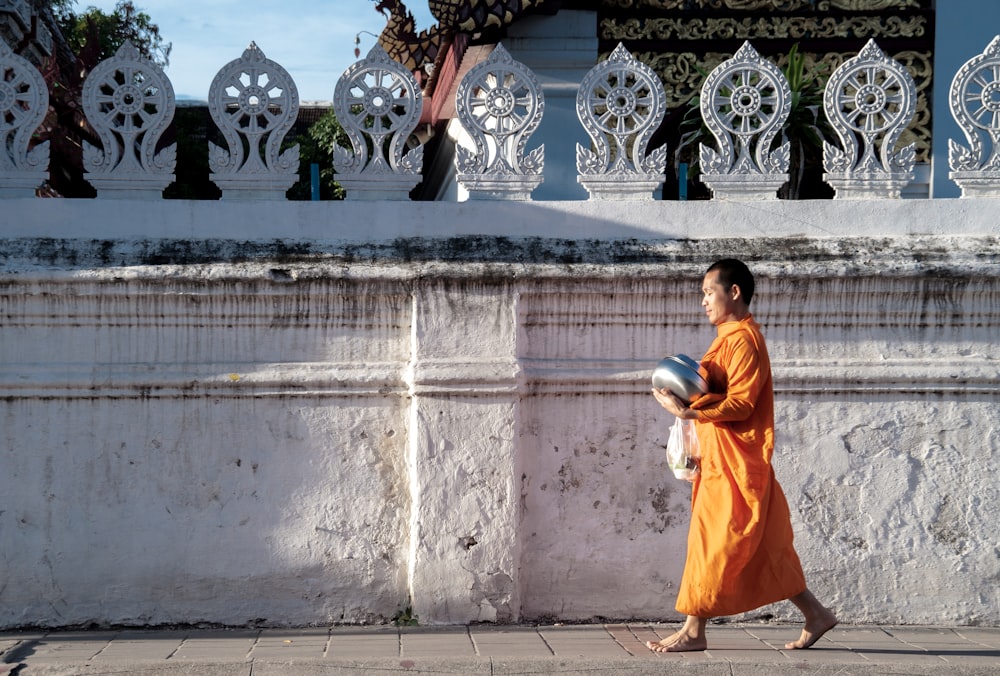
(740, 554)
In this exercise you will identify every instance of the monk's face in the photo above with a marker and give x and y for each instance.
(721, 304)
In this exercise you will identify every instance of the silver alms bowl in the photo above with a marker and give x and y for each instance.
(679, 374)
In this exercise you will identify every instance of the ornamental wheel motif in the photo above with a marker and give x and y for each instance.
(23, 94)
(621, 104)
(129, 101)
(379, 100)
(499, 103)
(744, 102)
(252, 100)
(746, 95)
(253, 94)
(24, 101)
(982, 98)
(974, 99)
(870, 98)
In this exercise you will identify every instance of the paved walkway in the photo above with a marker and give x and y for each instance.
(744, 649)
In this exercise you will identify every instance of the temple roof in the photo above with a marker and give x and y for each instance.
(416, 50)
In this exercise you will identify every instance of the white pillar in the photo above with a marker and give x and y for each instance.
(559, 53)
(464, 509)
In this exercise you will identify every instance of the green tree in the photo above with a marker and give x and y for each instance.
(88, 39)
(806, 128)
(193, 128)
(316, 147)
(105, 33)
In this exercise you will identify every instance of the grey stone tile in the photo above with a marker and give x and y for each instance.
(986, 636)
(921, 636)
(633, 640)
(437, 644)
(516, 643)
(342, 638)
(899, 656)
(66, 647)
(361, 647)
(589, 642)
(209, 647)
(287, 652)
(747, 656)
(829, 654)
(970, 656)
(293, 637)
(777, 637)
(8, 644)
(137, 650)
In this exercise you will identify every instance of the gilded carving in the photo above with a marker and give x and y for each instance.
(682, 80)
(679, 72)
(753, 5)
(866, 5)
(741, 5)
(771, 5)
(763, 28)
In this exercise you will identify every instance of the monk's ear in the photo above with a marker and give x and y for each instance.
(736, 292)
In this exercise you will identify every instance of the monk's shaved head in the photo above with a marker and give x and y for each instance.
(732, 271)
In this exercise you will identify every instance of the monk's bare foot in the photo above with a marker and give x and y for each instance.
(680, 642)
(814, 630)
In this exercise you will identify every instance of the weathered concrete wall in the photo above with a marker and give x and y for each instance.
(311, 413)
(887, 444)
(173, 451)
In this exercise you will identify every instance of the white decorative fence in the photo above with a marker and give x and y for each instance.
(745, 101)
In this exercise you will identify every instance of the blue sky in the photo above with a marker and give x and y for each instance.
(312, 39)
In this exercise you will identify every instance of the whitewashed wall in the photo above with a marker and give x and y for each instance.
(304, 413)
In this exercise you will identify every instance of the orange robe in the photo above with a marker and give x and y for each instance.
(740, 554)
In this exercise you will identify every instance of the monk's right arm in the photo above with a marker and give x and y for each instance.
(745, 380)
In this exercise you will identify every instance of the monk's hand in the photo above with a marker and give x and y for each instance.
(671, 402)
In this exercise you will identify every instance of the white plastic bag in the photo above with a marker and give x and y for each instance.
(683, 449)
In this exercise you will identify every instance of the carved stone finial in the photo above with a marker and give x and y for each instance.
(974, 99)
(378, 103)
(744, 103)
(24, 100)
(254, 103)
(129, 102)
(870, 98)
(500, 104)
(620, 104)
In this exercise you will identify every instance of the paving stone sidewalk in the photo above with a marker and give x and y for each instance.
(747, 649)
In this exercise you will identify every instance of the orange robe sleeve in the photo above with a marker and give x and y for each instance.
(740, 544)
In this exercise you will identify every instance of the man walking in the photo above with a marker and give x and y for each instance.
(740, 553)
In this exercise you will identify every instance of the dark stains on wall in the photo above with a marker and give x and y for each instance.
(913, 257)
